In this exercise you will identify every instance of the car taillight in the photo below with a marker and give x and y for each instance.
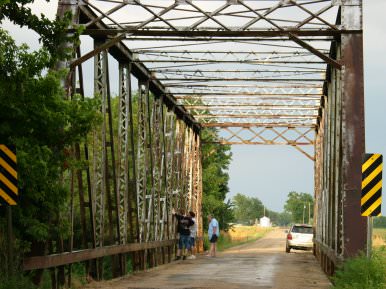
(289, 237)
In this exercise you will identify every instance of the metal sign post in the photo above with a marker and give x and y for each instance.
(369, 236)
(10, 241)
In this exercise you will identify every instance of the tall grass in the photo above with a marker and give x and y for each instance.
(379, 237)
(362, 272)
(237, 236)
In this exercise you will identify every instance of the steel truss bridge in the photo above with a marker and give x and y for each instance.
(258, 72)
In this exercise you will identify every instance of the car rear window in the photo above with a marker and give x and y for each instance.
(302, 229)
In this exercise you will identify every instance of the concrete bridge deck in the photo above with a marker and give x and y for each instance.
(261, 264)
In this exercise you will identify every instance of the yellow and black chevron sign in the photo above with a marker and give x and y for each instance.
(371, 185)
(8, 176)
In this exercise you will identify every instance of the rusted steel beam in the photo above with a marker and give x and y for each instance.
(164, 52)
(315, 51)
(43, 262)
(210, 98)
(353, 132)
(229, 39)
(210, 94)
(249, 107)
(312, 158)
(314, 15)
(253, 71)
(95, 51)
(249, 142)
(246, 125)
(211, 61)
(257, 116)
(240, 79)
(213, 33)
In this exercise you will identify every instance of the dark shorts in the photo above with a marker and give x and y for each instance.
(184, 241)
(213, 239)
(192, 242)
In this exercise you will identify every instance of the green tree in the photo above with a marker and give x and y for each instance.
(380, 222)
(52, 33)
(215, 162)
(247, 209)
(299, 205)
(44, 127)
(280, 218)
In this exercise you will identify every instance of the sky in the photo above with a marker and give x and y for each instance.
(270, 172)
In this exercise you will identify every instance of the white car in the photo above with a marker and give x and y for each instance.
(300, 237)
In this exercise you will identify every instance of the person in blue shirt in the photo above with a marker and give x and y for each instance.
(213, 234)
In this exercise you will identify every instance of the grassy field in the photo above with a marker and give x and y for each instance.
(379, 237)
(238, 235)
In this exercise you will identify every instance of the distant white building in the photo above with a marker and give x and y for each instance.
(265, 222)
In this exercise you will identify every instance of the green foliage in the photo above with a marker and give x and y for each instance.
(52, 34)
(247, 209)
(362, 273)
(44, 127)
(380, 222)
(215, 162)
(280, 219)
(298, 205)
(16, 282)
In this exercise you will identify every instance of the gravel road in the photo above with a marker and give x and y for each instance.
(261, 264)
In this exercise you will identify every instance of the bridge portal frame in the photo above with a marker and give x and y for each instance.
(166, 171)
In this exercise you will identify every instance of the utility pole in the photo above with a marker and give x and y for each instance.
(304, 208)
(309, 213)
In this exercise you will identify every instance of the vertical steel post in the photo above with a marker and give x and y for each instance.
(126, 169)
(123, 151)
(65, 6)
(157, 164)
(145, 181)
(353, 131)
(156, 152)
(338, 159)
(178, 160)
(169, 163)
(199, 216)
(111, 178)
(100, 154)
(151, 179)
(83, 202)
(123, 174)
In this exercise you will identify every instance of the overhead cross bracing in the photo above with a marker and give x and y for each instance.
(263, 62)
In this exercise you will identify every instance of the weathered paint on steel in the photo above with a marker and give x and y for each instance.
(353, 140)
